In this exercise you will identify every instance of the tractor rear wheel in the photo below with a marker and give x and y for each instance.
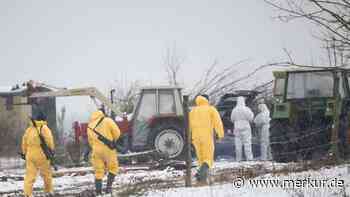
(167, 139)
(281, 141)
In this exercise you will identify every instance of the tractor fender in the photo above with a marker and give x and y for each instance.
(155, 121)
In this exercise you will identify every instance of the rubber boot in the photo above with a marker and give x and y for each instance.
(98, 186)
(110, 180)
(203, 172)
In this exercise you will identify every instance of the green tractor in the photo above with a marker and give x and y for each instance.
(310, 114)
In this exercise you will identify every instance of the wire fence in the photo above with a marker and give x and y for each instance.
(303, 150)
(11, 163)
(17, 163)
(296, 139)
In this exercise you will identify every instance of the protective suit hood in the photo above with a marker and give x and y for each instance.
(38, 123)
(263, 118)
(201, 101)
(263, 108)
(96, 115)
(241, 115)
(240, 102)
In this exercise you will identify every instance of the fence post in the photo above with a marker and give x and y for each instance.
(188, 138)
(336, 114)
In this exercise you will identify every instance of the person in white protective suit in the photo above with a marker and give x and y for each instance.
(242, 116)
(262, 122)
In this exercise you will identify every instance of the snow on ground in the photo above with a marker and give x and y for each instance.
(225, 190)
(284, 188)
(268, 165)
(75, 180)
(11, 163)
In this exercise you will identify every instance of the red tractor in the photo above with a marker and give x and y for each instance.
(156, 124)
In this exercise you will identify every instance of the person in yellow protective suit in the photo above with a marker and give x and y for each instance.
(102, 156)
(36, 160)
(203, 119)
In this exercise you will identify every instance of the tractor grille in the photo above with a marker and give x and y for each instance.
(309, 114)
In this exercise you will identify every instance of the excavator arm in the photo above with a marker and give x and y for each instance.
(90, 91)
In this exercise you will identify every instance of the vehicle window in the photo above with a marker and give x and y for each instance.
(309, 85)
(166, 102)
(279, 86)
(147, 107)
(341, 87)
(134, 103)
(146, 111)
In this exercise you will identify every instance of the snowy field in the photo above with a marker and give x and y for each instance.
(339, 173)
(170, 182)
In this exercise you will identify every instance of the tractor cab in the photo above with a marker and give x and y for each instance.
(304, 105)
(308, 90)
(157, 121)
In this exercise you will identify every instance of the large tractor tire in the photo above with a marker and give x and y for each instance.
(281, 143)
(167, 138)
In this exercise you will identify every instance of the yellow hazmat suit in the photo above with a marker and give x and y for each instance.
(103, 157)
(203, 120)
(35, 157)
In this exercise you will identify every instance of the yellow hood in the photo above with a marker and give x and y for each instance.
(96, 115)
(201, 101)
(38, 123)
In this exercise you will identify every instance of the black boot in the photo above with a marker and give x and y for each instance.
(203, 172)
(98, 186)
(110, 180)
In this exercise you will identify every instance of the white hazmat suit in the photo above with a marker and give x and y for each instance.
(262, 122)
(241, 116)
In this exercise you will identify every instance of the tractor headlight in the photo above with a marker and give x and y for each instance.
(330, 107)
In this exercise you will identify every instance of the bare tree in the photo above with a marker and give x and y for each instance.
(335, 55)
(217, 81)
(172, 62)
(125, 95)
(331, 16)
(212, 78)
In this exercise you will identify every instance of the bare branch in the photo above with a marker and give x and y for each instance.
(331, 16)
(288, 54)
(172, 63)
(125, 94)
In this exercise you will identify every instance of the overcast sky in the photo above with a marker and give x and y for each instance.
(91, 43)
